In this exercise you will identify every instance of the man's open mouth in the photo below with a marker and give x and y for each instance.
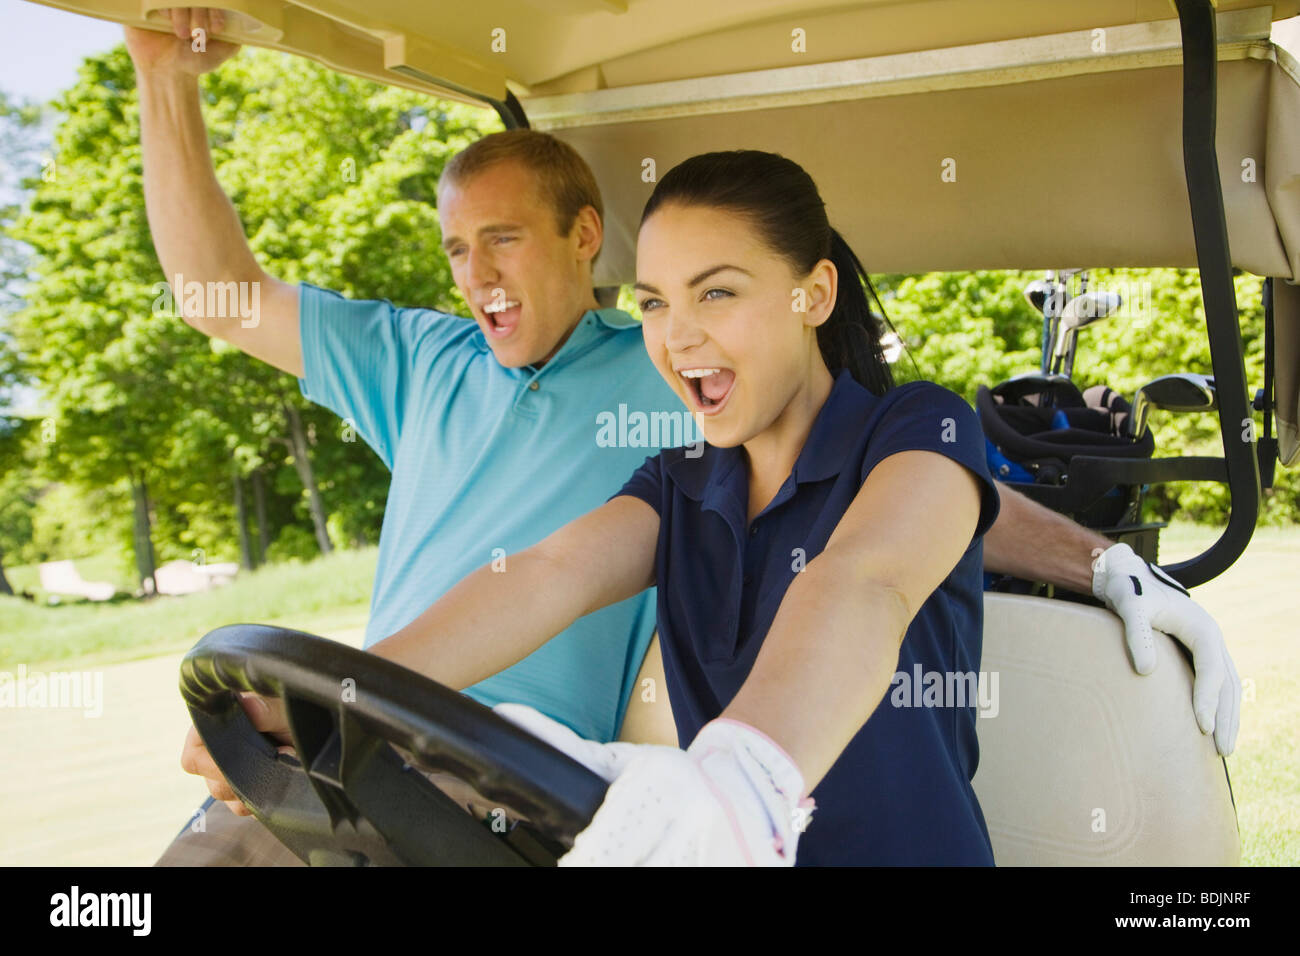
(502, 316)
(710, 387)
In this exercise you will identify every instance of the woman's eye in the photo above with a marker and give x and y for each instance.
(649, 304)
(722, 293)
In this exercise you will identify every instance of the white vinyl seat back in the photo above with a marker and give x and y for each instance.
(1083, 761)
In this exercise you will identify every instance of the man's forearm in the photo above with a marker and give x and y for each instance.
(1030, 541)
(196, 231)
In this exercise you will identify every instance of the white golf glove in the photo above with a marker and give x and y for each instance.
(604, 760)
(731, 799)
(1145, 597)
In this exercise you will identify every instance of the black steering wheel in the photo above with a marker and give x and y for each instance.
(350, 799)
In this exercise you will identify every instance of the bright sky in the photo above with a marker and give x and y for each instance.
(41, 47)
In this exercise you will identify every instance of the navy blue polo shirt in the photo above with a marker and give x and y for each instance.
(900, 793)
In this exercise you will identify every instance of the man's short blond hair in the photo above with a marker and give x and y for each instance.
(563, 176)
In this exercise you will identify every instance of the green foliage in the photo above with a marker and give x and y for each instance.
(20, 125)
(294, 543)
(19, 489)
(963, 329)
(68, 522)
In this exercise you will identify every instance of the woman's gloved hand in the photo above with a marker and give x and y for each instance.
(733, 798)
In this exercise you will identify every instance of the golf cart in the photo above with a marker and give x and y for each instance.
(1085, 762)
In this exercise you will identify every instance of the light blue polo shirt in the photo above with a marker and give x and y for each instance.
(487, 461)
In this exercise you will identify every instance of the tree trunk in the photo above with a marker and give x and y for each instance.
(302, 464)
(5, 587)
(144, 555)
(241, 519)
(259, 510)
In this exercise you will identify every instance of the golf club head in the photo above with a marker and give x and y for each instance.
(1036, 292)
(1090, 307)
(1182, 392)
(1082, 310)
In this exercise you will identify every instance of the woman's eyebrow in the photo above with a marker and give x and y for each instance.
(711, 271)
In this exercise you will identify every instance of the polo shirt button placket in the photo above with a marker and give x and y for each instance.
(534, 385)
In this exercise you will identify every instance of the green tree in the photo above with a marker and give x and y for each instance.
(206, 440)
(19, 489)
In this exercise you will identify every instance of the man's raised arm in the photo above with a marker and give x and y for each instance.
(196, 232)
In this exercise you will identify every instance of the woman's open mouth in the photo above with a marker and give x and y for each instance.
(502, 317)
(709, 387)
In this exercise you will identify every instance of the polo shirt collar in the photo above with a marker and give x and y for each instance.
(834, 432)
(594, 325)
(613, 318)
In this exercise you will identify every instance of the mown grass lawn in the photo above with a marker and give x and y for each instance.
(333, 591)
(1254, 603)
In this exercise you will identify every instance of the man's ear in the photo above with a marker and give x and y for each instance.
(820, 288)
(590, 233)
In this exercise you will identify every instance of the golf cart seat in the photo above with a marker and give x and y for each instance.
(1082, 761)
(1085, 762)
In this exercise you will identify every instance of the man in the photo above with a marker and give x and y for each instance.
(488, 427)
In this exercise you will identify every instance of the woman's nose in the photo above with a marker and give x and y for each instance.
(682, 332)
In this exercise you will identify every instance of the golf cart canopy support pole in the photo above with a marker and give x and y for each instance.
(1209, 223)
(511, 112)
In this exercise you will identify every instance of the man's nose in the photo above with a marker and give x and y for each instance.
(481, 269)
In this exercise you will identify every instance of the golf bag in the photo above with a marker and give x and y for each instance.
(1030, 444)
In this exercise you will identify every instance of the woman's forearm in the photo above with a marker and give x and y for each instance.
(489, 621)
(825, 665)
(496, 617)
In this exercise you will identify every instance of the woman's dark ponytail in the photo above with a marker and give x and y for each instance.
(782, 202)
(850, 338)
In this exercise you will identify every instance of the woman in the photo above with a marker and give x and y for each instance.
(829, 536)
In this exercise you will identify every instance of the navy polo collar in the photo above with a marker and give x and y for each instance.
(833, 435)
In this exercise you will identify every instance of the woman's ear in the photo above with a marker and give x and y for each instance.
(819, 289)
